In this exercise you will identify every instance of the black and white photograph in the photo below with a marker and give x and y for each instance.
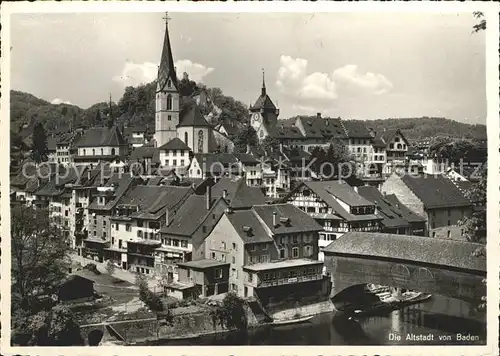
(182, 176)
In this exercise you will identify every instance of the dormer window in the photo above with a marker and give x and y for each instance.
(169, 83)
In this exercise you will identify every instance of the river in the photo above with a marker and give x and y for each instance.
(442, 321)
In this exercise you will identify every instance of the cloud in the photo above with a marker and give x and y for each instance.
(294, 81)
(351, 75)
(134, 74)
(196, 71)
(58, 101)
(323, 89)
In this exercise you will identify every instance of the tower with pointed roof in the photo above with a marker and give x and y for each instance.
(263, 114)
(167, 95)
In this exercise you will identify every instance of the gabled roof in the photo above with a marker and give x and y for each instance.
(192, 116)
(448, 252)
(167, 68)
(175, 144)
(101, 136)
(390, 212)
(230, 128)
(325, 190)
(246, 158)
(238, 194)
(152, 200)
(248, 227)
(213, 161)
(407, 213)
(51, 144)
(436, 191)
(190, 216)
(298, 221)
(319, 127)
(389, 135)
(286, 132)
(263, 102)
(122, 184)
(141, 153)
(356, 129)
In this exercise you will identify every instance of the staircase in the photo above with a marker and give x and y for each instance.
(258, 310)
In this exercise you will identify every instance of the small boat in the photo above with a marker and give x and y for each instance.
(292, 321)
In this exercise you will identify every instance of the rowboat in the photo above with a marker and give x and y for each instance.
(292, 321)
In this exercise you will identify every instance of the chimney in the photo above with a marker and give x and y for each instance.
(274, 219)
(38, 182)
(356, 188)
(318, 115)
(88, 174)
(281, 147)
(224, 193)
(208, 197)
(167, 217)
(376, 208)
(248, 148)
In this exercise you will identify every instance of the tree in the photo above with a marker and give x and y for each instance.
(39, 262)
(233, 312)
(40, 256)
(110, 267)
(270, 144)
(244, 137)
(39, 148)
(150, 299)
(475, 226)
(55, 327)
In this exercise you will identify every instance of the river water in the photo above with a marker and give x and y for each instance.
(441, 321)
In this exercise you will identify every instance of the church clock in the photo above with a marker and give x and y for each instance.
(256, 118)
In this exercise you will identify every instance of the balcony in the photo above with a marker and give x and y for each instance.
(294, 280)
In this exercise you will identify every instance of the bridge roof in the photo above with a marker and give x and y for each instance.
(443, 252)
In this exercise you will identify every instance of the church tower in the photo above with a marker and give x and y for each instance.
(167, 95)
(263, 114)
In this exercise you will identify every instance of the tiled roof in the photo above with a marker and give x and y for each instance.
(263, 102)
(102, 136)
(379, 142)
(286, 132)
(51, 144)
(175, 144)
(244, 219)
(141, 153)
(319, 127)
(391, 214)
(246, 158)
(238, 194)
(448, 252)
(407, 213)
(324, 190)
(388, 135)
(299, 221)
(152, 200)
(213, 161)
(190, 216)
(436, 191)
(231, 129)
(193, 117)
(356, 129)
(122, 184)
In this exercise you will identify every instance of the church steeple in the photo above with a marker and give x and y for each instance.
(110, 117)
(166, 70)
(263, 83)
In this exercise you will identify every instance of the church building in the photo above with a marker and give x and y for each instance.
(172, 122)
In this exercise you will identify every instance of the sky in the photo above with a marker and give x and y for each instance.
(352, 65)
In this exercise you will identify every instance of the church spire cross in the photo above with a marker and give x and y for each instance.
(166, 18)
(263, 83)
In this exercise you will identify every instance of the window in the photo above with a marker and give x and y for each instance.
(233, 260)
(282, 253)
(139, 233)
(218, 273)
(449, 212)
(250, 277)
(295, 252)
(127, 228)
(307, 251)
(264, 258)
(252, 248)
(113, 152)
(295, 240)
(264, 247)
(235, 247)
(169, 102)
(213, 255)
(174, 152)
(139, 223)
(433, 225)
(185, 138)
(95, 233)
(188, 273)
(104, 234)
(93, 152)
(449, 222)
(174, 163)
(449, 233)
(204, 229)
(104, 222)
(433, 234)
(84, 153)
(175, 242)
(102, 152)
(184, 244)
(182, 162)
(169, 117)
